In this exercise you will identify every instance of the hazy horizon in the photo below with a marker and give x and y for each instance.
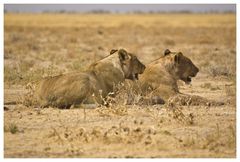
(119, 8)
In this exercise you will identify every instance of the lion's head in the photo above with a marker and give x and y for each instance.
(183, 68)
(130, 64)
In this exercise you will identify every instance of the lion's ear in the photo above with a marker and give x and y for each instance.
(123, 55)
(113, 51)
(166, 52)
(177, 57)
(180, 54)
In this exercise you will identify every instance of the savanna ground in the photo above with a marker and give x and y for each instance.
(39, 45)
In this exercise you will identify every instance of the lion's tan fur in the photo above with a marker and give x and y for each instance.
(93, 84)
(159, 80)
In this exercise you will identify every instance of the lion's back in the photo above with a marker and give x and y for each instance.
(65, 89)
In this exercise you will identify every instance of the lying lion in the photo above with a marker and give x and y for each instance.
(98, 81)
(158, 83)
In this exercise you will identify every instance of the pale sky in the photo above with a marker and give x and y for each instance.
(120, 7)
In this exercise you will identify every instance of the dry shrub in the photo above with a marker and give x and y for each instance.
(12, 128)
(112, 106)
(128, 93)
(177, 114)
(29, 98)
(219, 70)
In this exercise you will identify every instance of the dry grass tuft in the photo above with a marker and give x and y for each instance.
(12, 128)
(29, 98)
(177, 114)
(219, 71)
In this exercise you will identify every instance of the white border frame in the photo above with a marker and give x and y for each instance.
(114, 2)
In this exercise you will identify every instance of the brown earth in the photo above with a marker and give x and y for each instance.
(39, 45)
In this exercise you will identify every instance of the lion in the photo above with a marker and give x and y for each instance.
(96, 82)
(158, 83)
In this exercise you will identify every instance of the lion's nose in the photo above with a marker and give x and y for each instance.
(143, 68)
(197, 70)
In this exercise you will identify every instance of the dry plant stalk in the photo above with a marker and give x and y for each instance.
(176, 113)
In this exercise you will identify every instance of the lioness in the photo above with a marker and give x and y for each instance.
(74, 88)
(158, 83)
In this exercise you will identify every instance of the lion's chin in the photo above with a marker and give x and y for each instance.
(133, 77)
(187, 80)
(136, 76)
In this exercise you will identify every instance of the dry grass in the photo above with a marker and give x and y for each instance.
(39, 45)
(11, 128)
(115, 20)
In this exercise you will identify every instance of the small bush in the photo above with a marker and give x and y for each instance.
(13, 128)
(219, 71)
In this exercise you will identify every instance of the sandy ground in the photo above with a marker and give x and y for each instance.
(34, 49)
